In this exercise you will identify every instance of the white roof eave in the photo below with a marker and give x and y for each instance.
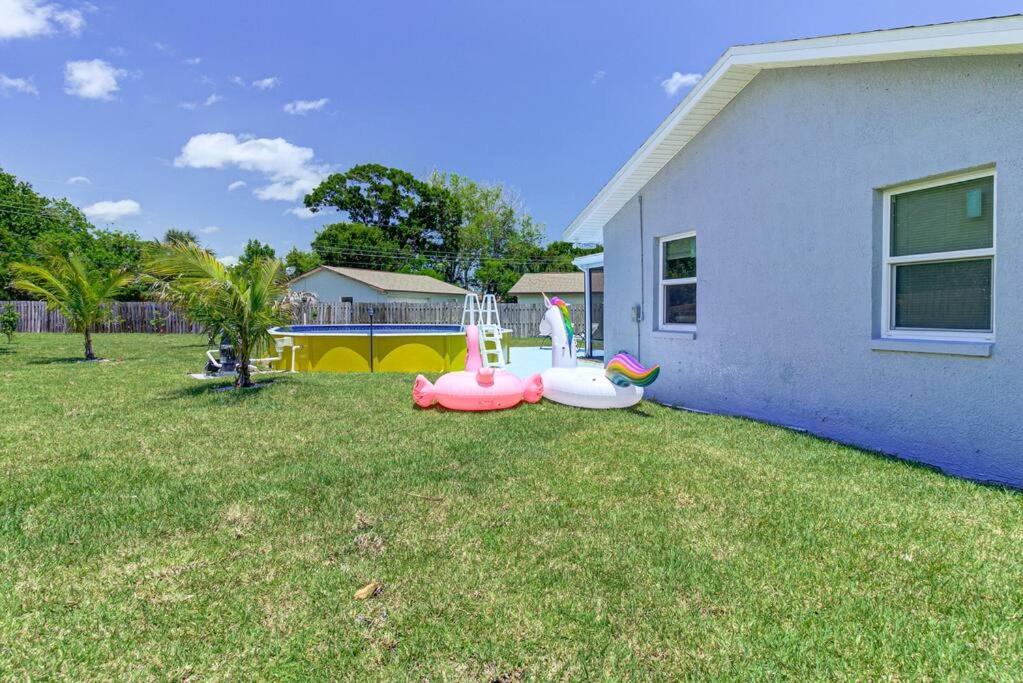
(739, 65)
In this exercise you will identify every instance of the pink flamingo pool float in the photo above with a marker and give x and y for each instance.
(476, 387)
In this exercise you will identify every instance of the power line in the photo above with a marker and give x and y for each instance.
(353, 254)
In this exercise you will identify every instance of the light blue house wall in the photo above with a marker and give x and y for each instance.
(781, 188)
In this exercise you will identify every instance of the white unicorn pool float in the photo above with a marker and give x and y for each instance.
(619, 385)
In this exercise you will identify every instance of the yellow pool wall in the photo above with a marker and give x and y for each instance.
(391, 352)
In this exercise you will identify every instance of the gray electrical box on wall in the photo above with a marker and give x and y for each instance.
(637, 313)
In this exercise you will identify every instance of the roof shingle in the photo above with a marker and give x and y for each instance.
(550, 283)
(393, 282)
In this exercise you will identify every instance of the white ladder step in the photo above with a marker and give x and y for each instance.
(492, 346)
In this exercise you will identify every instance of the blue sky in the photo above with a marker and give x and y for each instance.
(156, 108)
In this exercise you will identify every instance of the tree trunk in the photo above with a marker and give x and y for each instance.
(243, 378)
(89, 355)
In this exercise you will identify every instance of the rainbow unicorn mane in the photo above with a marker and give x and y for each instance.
(624, 370)
(566, 315)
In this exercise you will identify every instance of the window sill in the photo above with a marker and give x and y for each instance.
(675, 335)
(977, 349)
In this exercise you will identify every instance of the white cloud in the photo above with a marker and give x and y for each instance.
(78, 180)
(229, 260)
(192, 61)
(23, 85)
(111, 211)
(92, 79)
(208, 102)
(289, 168)
(677, 81)
(598, 76)
(31, 18)
(161, 47)
(238, 80)
(300, 211)
(117, 51)
(236, 185)
(303, 107)
(209, 229)
(266, 83)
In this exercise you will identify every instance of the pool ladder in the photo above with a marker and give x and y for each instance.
(486, 316)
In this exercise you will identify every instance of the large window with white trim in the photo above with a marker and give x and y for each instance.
(678, 281)
(939, 258)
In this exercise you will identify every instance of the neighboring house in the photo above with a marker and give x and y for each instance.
(828, 234)
(352, 285)
(532, 286)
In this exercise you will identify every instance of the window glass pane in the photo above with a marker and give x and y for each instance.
(946, 218)
(951, 295)
(680, 304)
(679, 258)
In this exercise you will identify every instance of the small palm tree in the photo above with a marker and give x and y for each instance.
(69, 284)
(243, 304)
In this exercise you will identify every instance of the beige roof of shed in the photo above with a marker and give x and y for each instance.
(385, 281)
(549, 283)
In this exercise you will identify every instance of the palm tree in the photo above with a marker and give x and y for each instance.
(244, 304)
(67, 283)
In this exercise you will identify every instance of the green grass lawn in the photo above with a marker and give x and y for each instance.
(153, 527)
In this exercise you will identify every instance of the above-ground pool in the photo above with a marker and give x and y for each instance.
(390, 348)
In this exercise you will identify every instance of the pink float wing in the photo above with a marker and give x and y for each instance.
(533, 389)
(423, 392)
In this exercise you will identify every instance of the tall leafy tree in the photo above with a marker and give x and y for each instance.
(298, 262)
(80, 291)
(32, 226)
(497, 239)
(244, 302)
(25, 217)
(176, 236)
(393, 220)
(255, 251)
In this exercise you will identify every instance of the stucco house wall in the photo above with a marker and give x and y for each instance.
(331, 287)
(782, 191)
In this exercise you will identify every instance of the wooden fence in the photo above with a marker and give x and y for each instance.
(144, 316)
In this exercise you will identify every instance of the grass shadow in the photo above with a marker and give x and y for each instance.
(56, 361)
(222, 386)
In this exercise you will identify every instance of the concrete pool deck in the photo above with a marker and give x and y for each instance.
(528, 360)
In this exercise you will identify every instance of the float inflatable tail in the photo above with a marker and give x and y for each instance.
(423, 392)
(533, 389)
(624, 370)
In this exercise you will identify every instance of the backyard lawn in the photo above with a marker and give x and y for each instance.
(152, 526)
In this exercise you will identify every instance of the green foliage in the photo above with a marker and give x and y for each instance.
(70, 284)
(298, 262)
(32, 226)
(176, 236)
(9, 319)
(254, 252)
(243, 303)
(394, 221)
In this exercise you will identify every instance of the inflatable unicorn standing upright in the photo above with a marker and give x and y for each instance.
(620, 385)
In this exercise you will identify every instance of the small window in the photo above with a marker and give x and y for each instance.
(678, 281)
(347, 300)
(939, 258)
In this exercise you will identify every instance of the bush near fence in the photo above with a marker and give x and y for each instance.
(150, 317)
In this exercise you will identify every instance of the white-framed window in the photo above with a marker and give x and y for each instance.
(677, 281)
(938, 273)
